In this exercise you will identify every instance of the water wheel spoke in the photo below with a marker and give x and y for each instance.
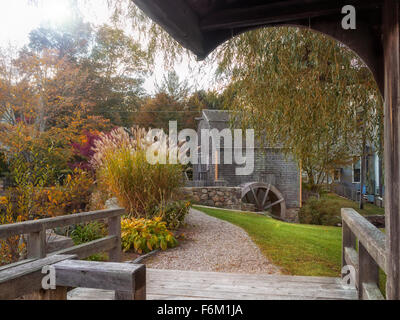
(265, 196)
(274, 204)
(255, 197)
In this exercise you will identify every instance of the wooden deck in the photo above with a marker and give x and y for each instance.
(190, 285)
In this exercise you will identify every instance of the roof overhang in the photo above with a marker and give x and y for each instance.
(202, 25)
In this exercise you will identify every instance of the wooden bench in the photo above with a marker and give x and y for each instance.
(25, 277)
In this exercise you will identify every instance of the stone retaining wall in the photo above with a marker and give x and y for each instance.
(221, 197)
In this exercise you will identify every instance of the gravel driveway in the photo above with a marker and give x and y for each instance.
(213, 245)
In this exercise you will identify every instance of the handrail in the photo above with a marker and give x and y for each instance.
(36, 231)
(32, 226)
(371, 252)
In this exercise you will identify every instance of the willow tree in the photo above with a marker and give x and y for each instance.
(297, 88)
(303, 91)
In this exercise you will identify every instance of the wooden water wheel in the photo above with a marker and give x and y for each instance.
(265, 197)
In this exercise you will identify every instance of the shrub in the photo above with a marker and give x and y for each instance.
(124, 171)
(88, 232)
(173, 213)
(146, 235)
(320, 212)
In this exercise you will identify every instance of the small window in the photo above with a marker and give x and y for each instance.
(357, 172)
(336, 175)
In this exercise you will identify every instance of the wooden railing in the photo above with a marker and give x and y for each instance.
(36, 232)
(363, 247)
(24, 278)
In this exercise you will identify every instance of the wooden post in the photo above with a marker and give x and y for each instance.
(348, 240)
(114, 229)
(368, 270)
(216, 165)
(36, 246)
(139, 287)
(390, 21)
(363, 173)
(301, 184)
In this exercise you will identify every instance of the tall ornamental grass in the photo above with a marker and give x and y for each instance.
(138, 185)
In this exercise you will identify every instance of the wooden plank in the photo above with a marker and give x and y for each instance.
(277, 12)
(233, 283)
(348, 241)
(179, 285)
(36, 246)
(60, 293)
(371, 237)
(234, 295)
(114, 229)
(26, 278)
(371, 292)
(85, 250)
(96, 294)
(178, 19)
(351, 258)
(155, 279)
(368, 270)
(98, 275)
(261, 289)
(51, 223)
(391, 44)
(12, 265)
(90, 294)
(241, 276)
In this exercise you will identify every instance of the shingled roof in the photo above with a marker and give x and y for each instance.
(216, 115)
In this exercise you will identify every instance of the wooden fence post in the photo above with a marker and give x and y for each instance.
(36, 249)
(36, 246)
(139, 288)
(348, 241)
(368, 270)
(114, 229)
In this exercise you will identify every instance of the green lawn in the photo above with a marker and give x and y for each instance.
(369, 209)
(298, 249)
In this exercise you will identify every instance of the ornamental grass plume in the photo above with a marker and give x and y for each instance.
(124, 171)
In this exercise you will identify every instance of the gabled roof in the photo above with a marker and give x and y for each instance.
(216, 115)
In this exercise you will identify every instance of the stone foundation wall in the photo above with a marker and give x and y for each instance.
(221, 197)
(228, 198)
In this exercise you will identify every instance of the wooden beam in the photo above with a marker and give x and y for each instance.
(26, 278)
(368, 271)
(114, 229)
(392, 143)
(85, 250)
(36, 246)
(129, 280)
(279, 12)
(33, 226)
(371, 237)
(178, 19)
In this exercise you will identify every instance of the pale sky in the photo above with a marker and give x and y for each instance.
(19, 17)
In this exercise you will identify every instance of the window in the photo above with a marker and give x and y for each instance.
(336, 175)
(357, 172)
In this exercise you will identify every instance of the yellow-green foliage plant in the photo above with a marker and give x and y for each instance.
(145, 235)
(123, 171)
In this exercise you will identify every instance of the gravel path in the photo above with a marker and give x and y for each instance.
(213, 245)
